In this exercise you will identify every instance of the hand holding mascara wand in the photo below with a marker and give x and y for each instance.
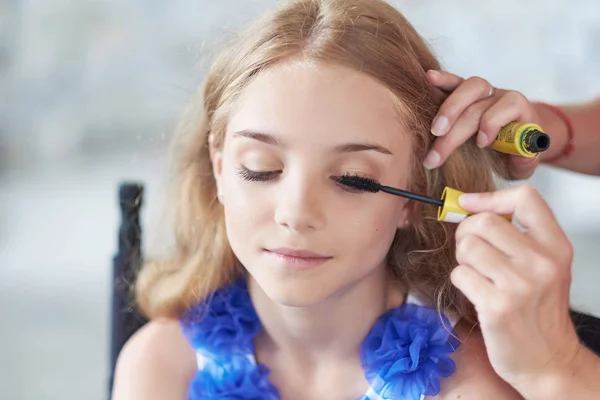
(519, 284)
(518, 280)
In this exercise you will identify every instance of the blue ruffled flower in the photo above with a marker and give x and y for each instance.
(407, 351)
(403, 356)
(226, 323)
(236, 378)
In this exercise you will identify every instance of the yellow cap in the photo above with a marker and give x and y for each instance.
(451, 211)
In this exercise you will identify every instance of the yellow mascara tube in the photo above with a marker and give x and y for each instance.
(521, 139)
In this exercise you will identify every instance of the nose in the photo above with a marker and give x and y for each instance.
(299, 206)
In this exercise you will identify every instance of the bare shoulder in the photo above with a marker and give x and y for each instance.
(156, 363)
(474, 377)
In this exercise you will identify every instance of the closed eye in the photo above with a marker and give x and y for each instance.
(257, 176)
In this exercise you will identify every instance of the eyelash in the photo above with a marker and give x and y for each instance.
(256, 176)
(347, 188)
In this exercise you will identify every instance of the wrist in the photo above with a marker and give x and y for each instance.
(577, 379)
(555, 385)
(557, 124)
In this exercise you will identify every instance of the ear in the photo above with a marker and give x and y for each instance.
(405, 223)
(406, 215)
(216, 159)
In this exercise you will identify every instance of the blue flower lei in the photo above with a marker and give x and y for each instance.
(404, 355)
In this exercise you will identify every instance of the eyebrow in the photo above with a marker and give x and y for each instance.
(343, 148)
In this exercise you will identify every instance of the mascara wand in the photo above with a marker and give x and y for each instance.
(448, 208)
(373, 186)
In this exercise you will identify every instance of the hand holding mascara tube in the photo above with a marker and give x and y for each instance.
(504, 120)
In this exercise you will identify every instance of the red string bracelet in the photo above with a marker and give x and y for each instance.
(568, 149)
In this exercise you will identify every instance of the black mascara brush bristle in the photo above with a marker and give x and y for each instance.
(360, 183)
(373, 186)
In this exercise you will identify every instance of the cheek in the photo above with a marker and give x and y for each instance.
(372, 233)
(245, 203)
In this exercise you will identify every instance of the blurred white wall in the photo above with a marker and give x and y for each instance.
(89, 92)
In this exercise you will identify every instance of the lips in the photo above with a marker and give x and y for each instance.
(306, 254)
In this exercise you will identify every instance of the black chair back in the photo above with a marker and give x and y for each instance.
(125, 319)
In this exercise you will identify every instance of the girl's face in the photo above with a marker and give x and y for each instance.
(302, 236)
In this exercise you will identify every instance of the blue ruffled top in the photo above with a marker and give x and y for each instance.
(404, 356)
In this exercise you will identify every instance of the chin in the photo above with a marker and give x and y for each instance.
(296, 292)
(297, 299)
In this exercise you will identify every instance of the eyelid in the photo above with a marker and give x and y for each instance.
(256, 176)
(259, 160)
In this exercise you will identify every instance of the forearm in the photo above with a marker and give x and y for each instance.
(580, 381)
(585, 119)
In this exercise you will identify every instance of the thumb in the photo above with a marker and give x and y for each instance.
(520, 167)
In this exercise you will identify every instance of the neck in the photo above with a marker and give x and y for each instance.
(332, 330)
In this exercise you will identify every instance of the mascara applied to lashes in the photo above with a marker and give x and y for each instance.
(359, 183)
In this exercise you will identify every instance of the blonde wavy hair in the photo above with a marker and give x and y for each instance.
(368, 36)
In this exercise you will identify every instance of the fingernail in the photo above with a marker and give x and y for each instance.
(432, 160)
(440, 124)
(434, 73)
(467, 198)
(482, 139)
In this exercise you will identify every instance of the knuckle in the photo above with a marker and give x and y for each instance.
(517, 98)
(547, 272)
(458, 273)
(500, 311)
(548, 277)
(474, 111)
(528, 192)
(462, 230)
(465, 246)
(479, 83)
(462, 277)
(567, 251)
(522, 290)
(485, 221)
(460, 252)
(490, 122)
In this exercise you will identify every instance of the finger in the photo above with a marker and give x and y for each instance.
(462, 130)
(476, 288)
(497, 231)
(512, 106)
(525, 203)
(469, 92)
(444, 80)
(487, 260)
(518, 167)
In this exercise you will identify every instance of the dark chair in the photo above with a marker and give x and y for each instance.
(125, 319)
(588, 330)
